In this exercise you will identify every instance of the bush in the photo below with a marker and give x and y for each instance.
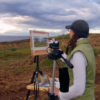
(13, 49)
(96, 51)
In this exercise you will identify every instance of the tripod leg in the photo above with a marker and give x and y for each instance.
(35, 79)
(35, 92)
(37, 84)
(28, 93)
(53, 77)
(36, 87)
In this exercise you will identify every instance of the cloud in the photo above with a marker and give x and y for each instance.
(76, 14)
(6, 27)
(10, 23)
(47, 30)
(19, 15)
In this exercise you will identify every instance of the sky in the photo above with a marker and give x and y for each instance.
(17, 17)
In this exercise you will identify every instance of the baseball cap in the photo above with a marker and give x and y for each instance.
(80, 27)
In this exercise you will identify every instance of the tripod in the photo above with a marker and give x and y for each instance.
(35, 79)
(54, 55)
(52, 95)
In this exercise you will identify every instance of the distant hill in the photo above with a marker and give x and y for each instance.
(12, 38)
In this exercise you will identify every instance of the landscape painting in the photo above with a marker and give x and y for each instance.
(40, 41)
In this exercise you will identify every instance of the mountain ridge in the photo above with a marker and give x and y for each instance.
(12, 38)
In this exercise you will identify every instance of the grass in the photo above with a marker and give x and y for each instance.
(45, 63)
(10, 55)
(13, 54)
(96, 51)
(66, 37)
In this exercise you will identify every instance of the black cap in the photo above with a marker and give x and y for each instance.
(80, 27)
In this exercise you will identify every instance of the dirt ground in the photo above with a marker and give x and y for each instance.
(13, 85)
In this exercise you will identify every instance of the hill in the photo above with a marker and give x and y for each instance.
(16, 67)
(12, 38)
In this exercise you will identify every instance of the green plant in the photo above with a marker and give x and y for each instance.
(96, 51)
(13, 49)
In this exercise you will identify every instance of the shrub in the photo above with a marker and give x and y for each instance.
(96, 51)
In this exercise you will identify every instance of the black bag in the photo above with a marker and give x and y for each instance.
(64, 79)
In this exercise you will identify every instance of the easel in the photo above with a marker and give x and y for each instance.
(35, 80)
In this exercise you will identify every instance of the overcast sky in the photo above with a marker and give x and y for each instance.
(18, 16)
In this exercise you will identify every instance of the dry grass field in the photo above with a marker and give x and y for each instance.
(16, 68)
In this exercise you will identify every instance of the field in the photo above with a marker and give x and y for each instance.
(17, 65)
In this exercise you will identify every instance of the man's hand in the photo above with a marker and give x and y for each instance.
(56, 91)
